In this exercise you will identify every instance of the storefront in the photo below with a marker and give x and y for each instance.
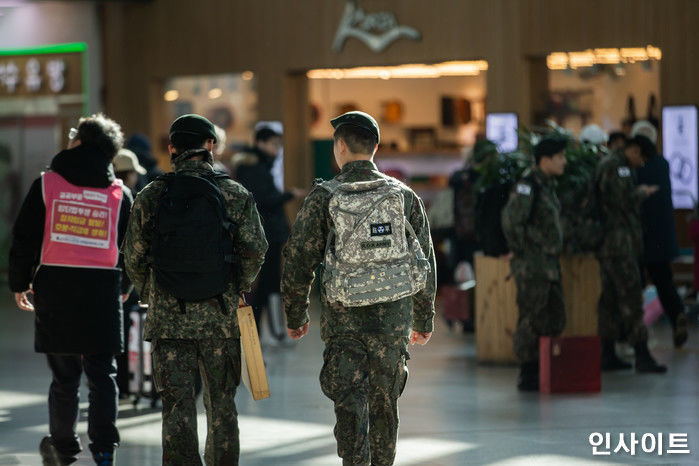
(283, 42)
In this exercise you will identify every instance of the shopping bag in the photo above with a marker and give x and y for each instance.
(569, 364)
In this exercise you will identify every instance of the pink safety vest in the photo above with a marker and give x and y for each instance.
(80, 229)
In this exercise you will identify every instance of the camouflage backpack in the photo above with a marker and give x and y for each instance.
(372, 254)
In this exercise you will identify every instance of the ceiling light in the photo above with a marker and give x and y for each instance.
(215, 93)
(172, 95)
(411, 71)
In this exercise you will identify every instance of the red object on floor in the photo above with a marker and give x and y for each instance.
(569, 364)
(456, 303)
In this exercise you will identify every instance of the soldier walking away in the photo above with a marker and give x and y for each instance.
(65, 251)
(193, 243)
(372, 236)
(621, 302)
(253, 169)
(532, 226)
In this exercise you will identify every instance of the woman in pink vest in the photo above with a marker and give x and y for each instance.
(65, 253)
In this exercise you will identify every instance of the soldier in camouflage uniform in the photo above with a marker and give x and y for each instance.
(531, 223)
(620, 304)
(203, 338)
(364, 369)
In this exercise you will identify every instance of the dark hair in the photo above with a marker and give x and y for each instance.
(646, 146)
(185, 141)
(549, 146)
(616, 135)
(266, 133)
(102, 133)
(358, 140)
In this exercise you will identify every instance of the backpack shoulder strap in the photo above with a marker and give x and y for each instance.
(330, 185)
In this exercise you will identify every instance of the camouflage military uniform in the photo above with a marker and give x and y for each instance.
(531, 224)
(203, 337)
(364, 369)
(620, 305)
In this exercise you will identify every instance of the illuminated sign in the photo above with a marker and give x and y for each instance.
(376, 30)
(501, 128)
(680, 150)
(42, 71)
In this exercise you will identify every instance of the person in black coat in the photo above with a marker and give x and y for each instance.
(78, 309)
(660, 246)
(253, 169)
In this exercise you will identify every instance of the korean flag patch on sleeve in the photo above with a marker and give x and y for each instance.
(624, 172)
(524, 189)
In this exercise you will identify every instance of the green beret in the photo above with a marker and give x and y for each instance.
(193, 124)
(550, 145)
(360, 119)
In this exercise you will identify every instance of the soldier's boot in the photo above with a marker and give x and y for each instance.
(610, 361)
(679, 330)
(645, 363)
(349, 463)
(528, 377)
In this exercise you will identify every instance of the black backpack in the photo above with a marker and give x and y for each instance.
(193, 244)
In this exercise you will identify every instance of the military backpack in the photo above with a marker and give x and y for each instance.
(192, 247)
(372, 254)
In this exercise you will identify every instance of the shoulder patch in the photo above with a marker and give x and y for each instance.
(524, 189)
(624, 172)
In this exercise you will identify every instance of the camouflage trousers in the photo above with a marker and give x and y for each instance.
(541, 313)
(175, 363)
(621, 302)
(364, 376)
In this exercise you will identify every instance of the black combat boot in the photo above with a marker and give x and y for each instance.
(645, 362)
(50, 455)
(528, 377)
(679, 330)
(610, 361)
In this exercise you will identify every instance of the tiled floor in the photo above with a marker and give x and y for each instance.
(454, 411)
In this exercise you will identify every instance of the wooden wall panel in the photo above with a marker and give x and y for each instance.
(150, 41)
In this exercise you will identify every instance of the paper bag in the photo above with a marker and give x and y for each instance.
(252, 366)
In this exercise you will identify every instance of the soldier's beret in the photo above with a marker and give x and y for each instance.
(193, 124)
(549, 145)
(360, 119)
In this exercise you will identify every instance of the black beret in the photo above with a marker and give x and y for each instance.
(360, 119)
(550, 145)
(193, 124)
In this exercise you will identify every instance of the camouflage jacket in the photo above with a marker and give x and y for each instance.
(203, 319)
(531, 223)
(620, 202)
(305, 251)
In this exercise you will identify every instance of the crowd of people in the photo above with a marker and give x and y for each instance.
(630, 224)
(103, 229)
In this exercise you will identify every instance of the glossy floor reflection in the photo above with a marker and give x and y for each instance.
(454, 412)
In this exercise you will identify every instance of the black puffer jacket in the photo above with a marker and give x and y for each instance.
(77, 310)
(253, 169)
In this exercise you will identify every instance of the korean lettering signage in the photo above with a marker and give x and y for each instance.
(42, 71)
